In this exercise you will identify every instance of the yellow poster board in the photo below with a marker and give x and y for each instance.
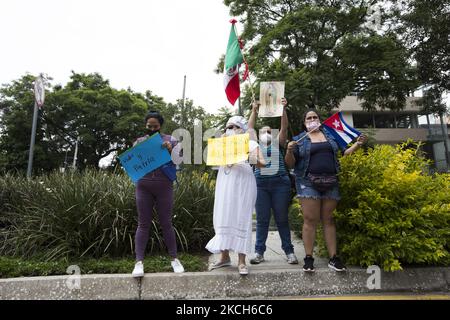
(228, 150)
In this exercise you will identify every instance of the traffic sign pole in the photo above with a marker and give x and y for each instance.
(39, 96)
(33, 138)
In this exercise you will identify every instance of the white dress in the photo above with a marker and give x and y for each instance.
(234, 203)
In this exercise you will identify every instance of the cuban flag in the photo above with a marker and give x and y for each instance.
(340, 130)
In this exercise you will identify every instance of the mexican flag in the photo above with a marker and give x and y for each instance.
(233, 58)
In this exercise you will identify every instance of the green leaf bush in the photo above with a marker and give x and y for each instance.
(392, 212)
(295, 217)
(93, 214)
(11, 267)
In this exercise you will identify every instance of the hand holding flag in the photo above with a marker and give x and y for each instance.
(340, 130)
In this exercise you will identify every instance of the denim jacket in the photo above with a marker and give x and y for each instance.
(302, 153)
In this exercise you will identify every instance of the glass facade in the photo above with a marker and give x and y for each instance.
(382, 120)
(363, 120)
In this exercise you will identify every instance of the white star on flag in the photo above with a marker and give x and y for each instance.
(336, 124)
(341, 131)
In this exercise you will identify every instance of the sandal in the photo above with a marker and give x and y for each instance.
(243, 269)
(220, 264)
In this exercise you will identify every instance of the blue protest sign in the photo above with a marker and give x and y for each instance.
(144, 157)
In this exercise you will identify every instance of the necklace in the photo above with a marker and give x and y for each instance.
(227, 172)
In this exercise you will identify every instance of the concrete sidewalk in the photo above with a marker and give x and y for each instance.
(275, 258)
(274, 278)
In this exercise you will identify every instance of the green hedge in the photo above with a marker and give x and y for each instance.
(392, 211)
(93, 214)
(295, 217)
(16, 267)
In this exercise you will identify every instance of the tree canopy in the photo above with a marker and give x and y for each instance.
(103, 119)
(325, 50)
(425, 25)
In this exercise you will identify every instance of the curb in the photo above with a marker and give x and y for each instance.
(221, 284)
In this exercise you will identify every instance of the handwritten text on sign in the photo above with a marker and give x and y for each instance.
(228, 150)
(144, 157)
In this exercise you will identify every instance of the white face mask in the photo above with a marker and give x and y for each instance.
(230, 132)
(265, 138)
(312, 125)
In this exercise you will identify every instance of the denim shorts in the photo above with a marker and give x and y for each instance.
(306, 190)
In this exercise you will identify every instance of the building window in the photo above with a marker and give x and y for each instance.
(384, 121)
(403, 121)
(362, 120)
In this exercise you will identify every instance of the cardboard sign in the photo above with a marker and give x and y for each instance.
(228, 150)
(144, 157)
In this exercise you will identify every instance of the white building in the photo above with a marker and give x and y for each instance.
(394, 127)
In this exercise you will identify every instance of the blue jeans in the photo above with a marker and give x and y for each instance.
(273, 193)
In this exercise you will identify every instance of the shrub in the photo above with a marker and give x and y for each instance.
(17, 267)
(392, 211)
(295, 217)
(94, 214)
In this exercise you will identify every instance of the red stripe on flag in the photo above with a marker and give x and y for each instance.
(233, 90)
(334, 122)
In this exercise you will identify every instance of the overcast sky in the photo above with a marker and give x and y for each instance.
(142, 44)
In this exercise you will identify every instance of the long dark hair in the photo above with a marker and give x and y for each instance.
(304, 117)
(156, 115)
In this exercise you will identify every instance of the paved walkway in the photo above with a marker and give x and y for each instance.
(274, 256)
(274, 278)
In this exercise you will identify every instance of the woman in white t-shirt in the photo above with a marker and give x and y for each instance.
(234, 202)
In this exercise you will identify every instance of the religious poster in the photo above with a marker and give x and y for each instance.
(270, 95)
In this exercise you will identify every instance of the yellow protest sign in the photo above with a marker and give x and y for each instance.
(227, 150)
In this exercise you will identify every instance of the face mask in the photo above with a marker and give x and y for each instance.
(230, 132)
(265, 138)
(152, 132)
(312, 125)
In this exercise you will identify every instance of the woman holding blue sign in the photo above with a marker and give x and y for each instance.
(234, 201)
(156, 188)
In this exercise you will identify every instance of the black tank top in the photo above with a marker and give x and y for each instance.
(321, 158)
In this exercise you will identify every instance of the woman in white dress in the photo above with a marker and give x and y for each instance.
(234, 202)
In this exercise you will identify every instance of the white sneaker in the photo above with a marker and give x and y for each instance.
(138, 270)
(257, 259)
(291, 258)
(177, 266)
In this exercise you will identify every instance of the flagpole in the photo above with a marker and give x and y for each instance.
(182, 105)
(239, 108)
(245, 61)
(297, 141)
